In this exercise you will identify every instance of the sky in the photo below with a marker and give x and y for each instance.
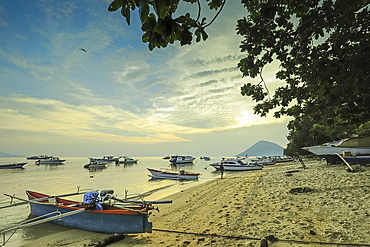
(118, 97)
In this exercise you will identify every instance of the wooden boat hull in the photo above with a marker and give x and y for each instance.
(14, 165)
(171, 175)
(335, 159)
(112, 220)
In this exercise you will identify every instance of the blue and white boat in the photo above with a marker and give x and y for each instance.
(107, 219)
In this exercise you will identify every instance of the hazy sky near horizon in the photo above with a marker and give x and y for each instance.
(119, 98)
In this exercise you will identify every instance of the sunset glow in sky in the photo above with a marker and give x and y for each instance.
(119, 98)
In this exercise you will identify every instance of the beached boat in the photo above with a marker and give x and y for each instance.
(111, 219)
(96, 164)
(39, 157)
(335, 159)
(173, 175)
(233, 164)
(12, 165)
(177, 159)
(106, 158)
(356, 146)
(51, 161)
(128, 161)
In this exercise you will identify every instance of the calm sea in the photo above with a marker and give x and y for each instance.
(63, 179)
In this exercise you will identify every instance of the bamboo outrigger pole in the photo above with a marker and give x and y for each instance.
(36, 200)
(345, 162)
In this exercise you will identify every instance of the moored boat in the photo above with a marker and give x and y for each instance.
(128, 161)
(12, 165)
(96, 164)
(178, 159)
(106, 158)
(109, 219)
(233, 164)
(52, 161)
(173, 175)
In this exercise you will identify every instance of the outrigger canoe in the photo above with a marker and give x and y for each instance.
(112, 219)
(172, 175)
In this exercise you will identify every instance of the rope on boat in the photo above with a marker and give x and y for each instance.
(258, 239)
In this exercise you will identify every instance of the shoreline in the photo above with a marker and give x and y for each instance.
(320, 204)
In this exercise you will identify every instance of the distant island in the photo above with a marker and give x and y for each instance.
(263, 148)
(10, 155)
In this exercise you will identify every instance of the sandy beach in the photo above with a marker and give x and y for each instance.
(283, 204)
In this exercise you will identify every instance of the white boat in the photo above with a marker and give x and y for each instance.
(356, 146)
(106, 158)
(233, 164)
(96, 164)
(128, 161)
(264, 161)
(172, 175)
(52, 161)
(178, 159)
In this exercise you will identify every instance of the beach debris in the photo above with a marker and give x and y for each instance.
(300, 190)
(312, 232)
(271, 238)
(264, 242)
(108, 240)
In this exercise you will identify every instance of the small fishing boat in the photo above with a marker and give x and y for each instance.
(12, 165)
(109, 219)
(52, 161)
(233, 164)
(96, 164)
(177, 159)
(128, 161)
(172, 175)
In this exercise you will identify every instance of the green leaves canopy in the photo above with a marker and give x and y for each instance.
(159, 27)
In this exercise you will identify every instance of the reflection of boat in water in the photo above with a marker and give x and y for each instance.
(96, 164)
(233, 164)
(51, 161)
(172, 175)
(177, 159)
(12, 165)
(39, 157)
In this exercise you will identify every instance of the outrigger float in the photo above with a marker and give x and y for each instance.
(93, 214)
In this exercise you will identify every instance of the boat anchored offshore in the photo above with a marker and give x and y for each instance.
(172, 175)
(176, 159)
(96, 164)
(12, 165)
(233, 164)
(52, 161)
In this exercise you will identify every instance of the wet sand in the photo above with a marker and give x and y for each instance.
(317, 206)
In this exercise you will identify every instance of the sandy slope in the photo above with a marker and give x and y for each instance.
(331, 206)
